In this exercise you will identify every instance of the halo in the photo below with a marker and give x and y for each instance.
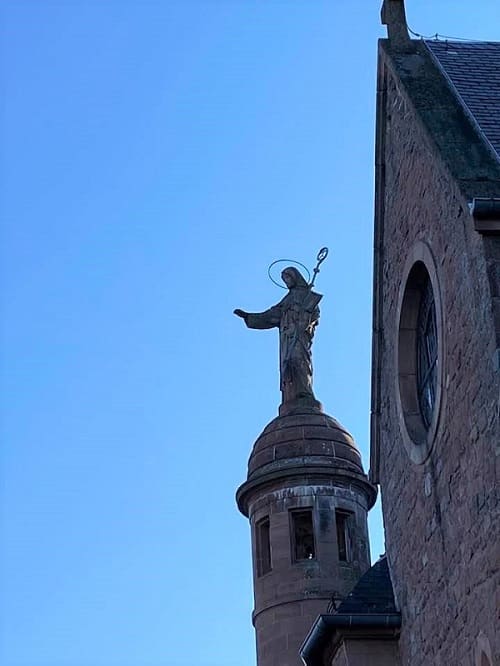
(287, 262)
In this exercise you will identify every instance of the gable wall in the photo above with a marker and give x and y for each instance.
(439, 515)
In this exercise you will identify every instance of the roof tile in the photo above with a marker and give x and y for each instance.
(372, 594)
(474, 71)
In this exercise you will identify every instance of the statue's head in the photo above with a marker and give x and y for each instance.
(293, 278)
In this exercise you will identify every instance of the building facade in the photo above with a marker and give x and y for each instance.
(436, 437)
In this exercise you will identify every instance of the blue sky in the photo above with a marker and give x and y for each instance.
(157, 156)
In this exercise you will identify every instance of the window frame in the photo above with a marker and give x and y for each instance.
(293, 513)
(346, 521)
(263, 551)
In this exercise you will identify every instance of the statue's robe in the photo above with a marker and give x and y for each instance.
(296, 316)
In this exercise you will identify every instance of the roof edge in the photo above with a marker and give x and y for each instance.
(334, 628)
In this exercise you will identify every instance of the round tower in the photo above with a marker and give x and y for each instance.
(307, 499)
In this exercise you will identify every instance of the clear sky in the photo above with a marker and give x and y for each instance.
(157, 156)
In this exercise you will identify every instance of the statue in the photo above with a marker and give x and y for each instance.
(296, 316)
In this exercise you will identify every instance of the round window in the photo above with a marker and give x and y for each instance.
(419, 354)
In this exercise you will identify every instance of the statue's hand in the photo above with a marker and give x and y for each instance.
(240, 313)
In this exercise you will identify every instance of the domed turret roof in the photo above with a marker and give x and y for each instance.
(310, 437)
(304, 445)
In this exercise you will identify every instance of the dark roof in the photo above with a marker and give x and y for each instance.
(372, 594)
(474, 70)
(369, 610)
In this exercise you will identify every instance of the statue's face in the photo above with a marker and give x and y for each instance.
(288, 279)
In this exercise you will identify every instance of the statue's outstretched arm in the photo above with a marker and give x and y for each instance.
(268, 319)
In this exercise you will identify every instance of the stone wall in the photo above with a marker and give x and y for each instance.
(441, 532)
(340, 658)
(492, 254)
(370, 653)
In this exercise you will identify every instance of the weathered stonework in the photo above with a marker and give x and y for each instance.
(303, 461)
(441, 516)
(369, 652)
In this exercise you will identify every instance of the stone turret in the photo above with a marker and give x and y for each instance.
(307, 499)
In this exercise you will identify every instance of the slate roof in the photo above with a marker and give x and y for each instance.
(372, 594)
(474, 71)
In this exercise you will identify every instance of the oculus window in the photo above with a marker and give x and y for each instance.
(419, 355)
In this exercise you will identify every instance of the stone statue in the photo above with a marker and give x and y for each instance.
(296, 316)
